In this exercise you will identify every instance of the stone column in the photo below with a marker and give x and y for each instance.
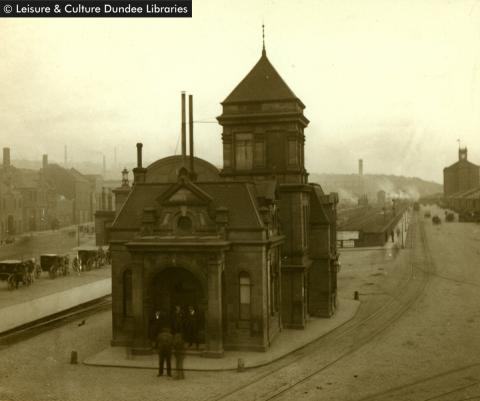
(214, 329)
(141, 342)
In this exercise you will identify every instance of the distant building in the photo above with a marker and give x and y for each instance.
(381, 198)
(11, 212)
(460, 176)
(73, 186)
(252, 247)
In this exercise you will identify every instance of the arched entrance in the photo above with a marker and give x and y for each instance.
(177, 286)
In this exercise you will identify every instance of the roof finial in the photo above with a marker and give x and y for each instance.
(264, 52)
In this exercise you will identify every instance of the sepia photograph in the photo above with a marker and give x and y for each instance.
(220, 200)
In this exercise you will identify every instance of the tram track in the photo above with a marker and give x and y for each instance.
(375, 324)
(396, 391)
(36, 327)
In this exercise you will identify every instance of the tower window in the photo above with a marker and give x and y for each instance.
(292, 152)
(227, 154)
(244, 151)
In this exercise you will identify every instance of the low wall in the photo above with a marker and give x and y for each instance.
(26, 312)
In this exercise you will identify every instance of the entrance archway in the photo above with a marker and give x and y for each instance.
(177, 286)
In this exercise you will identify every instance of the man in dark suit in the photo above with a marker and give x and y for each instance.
(191, 326)
(164, 347)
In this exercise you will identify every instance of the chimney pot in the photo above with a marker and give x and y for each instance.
(139, 155)
(184, 128)
(190, 129)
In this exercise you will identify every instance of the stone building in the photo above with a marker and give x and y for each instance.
(252, 247)
(74, 187)
(460, 176)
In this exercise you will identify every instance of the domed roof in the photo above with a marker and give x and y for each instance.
(166, 169)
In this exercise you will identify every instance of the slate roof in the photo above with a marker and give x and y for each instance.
(262, 83)
(238, 197)
(459, 163)
(469, 193)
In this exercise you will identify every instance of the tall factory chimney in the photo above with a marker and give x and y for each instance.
(190, 133)
(115, 157)
(139, 155)
(104, 169)
(65, 155)
(6, 158)
(360, 166)
(184, 129)
(44, 161)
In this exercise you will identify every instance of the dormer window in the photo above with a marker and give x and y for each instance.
(184, 225)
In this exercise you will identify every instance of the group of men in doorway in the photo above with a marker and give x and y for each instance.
(170, 333)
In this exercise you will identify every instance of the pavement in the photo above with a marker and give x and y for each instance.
(47, 297)
(45, 286)
(288, 341)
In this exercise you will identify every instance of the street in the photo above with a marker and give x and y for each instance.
(415, 337)
(34, 244)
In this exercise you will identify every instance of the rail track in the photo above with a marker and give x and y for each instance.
(28, 330)
(373, 325)
(440, 376)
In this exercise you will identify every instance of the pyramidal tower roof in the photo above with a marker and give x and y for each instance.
(262, 83)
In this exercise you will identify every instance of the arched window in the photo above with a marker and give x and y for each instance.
(127, 293)
(245, 295)
(184, 225)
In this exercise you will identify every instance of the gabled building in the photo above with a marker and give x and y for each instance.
(252, 247)
(460, 176)
(74, 187)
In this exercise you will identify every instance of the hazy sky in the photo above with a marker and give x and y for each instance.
(393, 82)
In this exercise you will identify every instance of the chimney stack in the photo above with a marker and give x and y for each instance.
(139, 155)
(139, 172)
(44, 161)
(65, 155)
(104, 169)
(190, 132)
(184, 128)
(6, 158)
(360, 166)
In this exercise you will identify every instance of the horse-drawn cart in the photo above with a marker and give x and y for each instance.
(54, 264)
(15, 272)
(91, 257)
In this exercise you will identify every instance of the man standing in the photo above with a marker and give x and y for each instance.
(191, 329)
(179, 353)
(164, 345)
(178, 321)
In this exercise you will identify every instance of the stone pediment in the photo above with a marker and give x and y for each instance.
(184, 193)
